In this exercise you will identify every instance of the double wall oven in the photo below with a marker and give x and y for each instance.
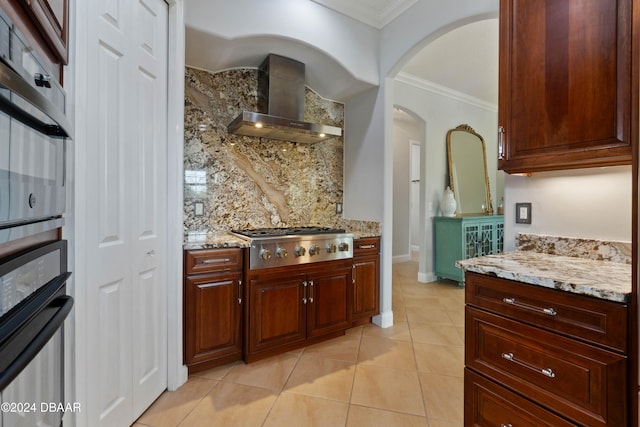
(33, 275)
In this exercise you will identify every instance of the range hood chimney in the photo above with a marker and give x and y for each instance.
(281, 106)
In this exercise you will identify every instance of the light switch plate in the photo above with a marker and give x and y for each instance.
(523, 213)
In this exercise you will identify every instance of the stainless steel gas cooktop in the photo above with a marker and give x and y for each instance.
(277, 247)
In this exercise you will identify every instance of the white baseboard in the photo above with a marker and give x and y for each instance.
(384, 320)
(401, 258)
(426, 277)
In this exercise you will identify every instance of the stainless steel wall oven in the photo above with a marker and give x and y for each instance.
(33, 129)
(33, 306)
(33, 300)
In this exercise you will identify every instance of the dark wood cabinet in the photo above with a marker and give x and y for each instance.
(213, 301)
(328, 302)
(366, 279)
(488, 405)
(289, 307)
(568, 85)
(277, 314)
(51, 17)
(559, 352)
(26, 16)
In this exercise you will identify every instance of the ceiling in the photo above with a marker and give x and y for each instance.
(376, 13)
(464, 60)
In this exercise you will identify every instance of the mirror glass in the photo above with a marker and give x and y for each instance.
(468, 176)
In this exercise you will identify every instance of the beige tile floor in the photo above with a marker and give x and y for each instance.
(410, 374)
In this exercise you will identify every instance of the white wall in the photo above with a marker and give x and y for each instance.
(339, 52)
(588, 203)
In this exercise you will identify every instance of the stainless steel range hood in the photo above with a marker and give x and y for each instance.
(281, 106)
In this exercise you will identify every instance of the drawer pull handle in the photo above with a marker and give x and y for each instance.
(548, 372)
(506, 425)
(366, 246)
(550, 311)
(215, 261)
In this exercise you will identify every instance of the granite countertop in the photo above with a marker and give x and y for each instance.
(212, 240)
(224, 239)
(601, 279)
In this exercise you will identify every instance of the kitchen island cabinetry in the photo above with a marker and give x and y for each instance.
(568, 84)
(560, 354)
(213, 301)
(295, 306)
(366, 279)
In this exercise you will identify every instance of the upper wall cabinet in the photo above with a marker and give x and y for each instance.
(568, 90)
(51, 19)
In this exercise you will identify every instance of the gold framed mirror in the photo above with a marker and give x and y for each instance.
(468, 177)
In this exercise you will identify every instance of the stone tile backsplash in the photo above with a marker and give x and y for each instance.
(251, 182)
(598, 250)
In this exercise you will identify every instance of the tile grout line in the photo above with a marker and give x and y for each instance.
(353, 381)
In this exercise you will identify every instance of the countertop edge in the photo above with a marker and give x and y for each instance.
(545, 277)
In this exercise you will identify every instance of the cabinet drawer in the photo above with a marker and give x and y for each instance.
(582, 382)
(366, 245)
(206, 260)
(598, 321)
(488, 405)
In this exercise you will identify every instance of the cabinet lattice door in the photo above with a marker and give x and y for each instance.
(459, 238)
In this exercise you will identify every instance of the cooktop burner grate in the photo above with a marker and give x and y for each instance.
(287, 231)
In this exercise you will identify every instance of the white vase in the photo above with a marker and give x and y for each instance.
(448, 203)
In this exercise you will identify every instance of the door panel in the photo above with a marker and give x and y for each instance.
(277, 315)
(126, 208)
(108, 243)
(329, 308)
(150, 324)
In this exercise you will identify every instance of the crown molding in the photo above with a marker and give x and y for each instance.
(445, 91)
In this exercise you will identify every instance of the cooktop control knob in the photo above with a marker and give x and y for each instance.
(281, 252)
(313, 249)
(300, 251)
(331, 247)
(343, 247)
(265, 254)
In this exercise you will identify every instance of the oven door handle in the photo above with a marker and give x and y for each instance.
(65, 303)
(15, 83)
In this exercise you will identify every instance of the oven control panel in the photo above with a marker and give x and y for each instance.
(294, 250)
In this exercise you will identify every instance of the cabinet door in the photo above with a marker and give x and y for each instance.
(51, 18)
(212, 317)
(566, 89)
(479, 238)
(329, 302)
(277, 311)
(366, 286)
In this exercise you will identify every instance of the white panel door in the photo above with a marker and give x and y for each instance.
(150, 186)
(126, 209)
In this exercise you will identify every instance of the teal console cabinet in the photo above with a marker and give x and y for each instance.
(459, 238)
